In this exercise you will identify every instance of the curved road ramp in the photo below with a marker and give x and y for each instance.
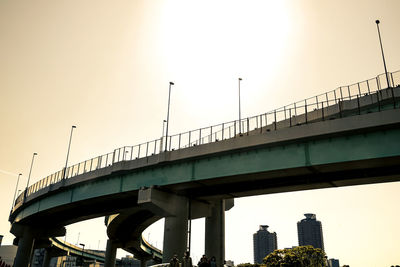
(348, 136)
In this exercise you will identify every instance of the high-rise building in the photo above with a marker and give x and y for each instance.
(333, 263)
(264, 243)
(309, 231)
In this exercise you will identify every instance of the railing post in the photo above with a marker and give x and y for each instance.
(256, 122)
(334, 92)
(189, 138)
(316, 97)
(341, 93)
(147, 149)
(211, 132)
(266, 120)
(359, 90)
(369, 93)
(340, 108)
(358, 105)
(260, 123)
(107, 164)
(290, 117)
(379, 102)
(248, 126)
(170, 141)
(200, 136)
(391, 76)
(327, 100)
(348, 90)
(392, 91)
(138, 154)
(275, 118)
(179, 142)
(305, 107)
(394, 98)
(222, 131)
(234, 128)
(323, 115)
(378, 83)
(284, 111)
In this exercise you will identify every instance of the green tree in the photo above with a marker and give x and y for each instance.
(250, 265)
(303, 256)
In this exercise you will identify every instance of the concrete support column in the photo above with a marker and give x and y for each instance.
(175, 230)
(143, 262)
(47, 258)
(111, 253)
(215, 233)
(25, 248)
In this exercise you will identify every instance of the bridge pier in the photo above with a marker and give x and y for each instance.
(28, 237)
(176, 230)
(143, 262)
(47, 258)
(175, 210)
(25, 248)
(215, 233)
(111, 253)
(215, 230)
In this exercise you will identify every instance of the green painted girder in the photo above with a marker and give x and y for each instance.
(355, 143)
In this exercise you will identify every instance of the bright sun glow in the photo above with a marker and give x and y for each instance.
(233, 39)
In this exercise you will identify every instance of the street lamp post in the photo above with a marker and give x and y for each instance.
(166, 131)
(69, 146)
(15, 193)
(29, 176)
(240, 117)
(383, 56)
(83, 250)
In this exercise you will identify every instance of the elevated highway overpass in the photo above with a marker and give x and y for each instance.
(339, 141)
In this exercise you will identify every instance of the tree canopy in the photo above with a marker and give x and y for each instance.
(302, 256)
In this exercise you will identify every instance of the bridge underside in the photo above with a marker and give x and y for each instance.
(296, 179)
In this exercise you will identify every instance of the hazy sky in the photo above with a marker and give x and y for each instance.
(105, 66)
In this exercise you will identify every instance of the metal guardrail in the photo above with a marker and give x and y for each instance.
(146, 246)
(78, 251)
(296, 113)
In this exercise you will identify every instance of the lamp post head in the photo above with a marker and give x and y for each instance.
(73, 126)
(377, 21)
(240, 79)
(35, 154)
(171, 83)
(19, 174)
